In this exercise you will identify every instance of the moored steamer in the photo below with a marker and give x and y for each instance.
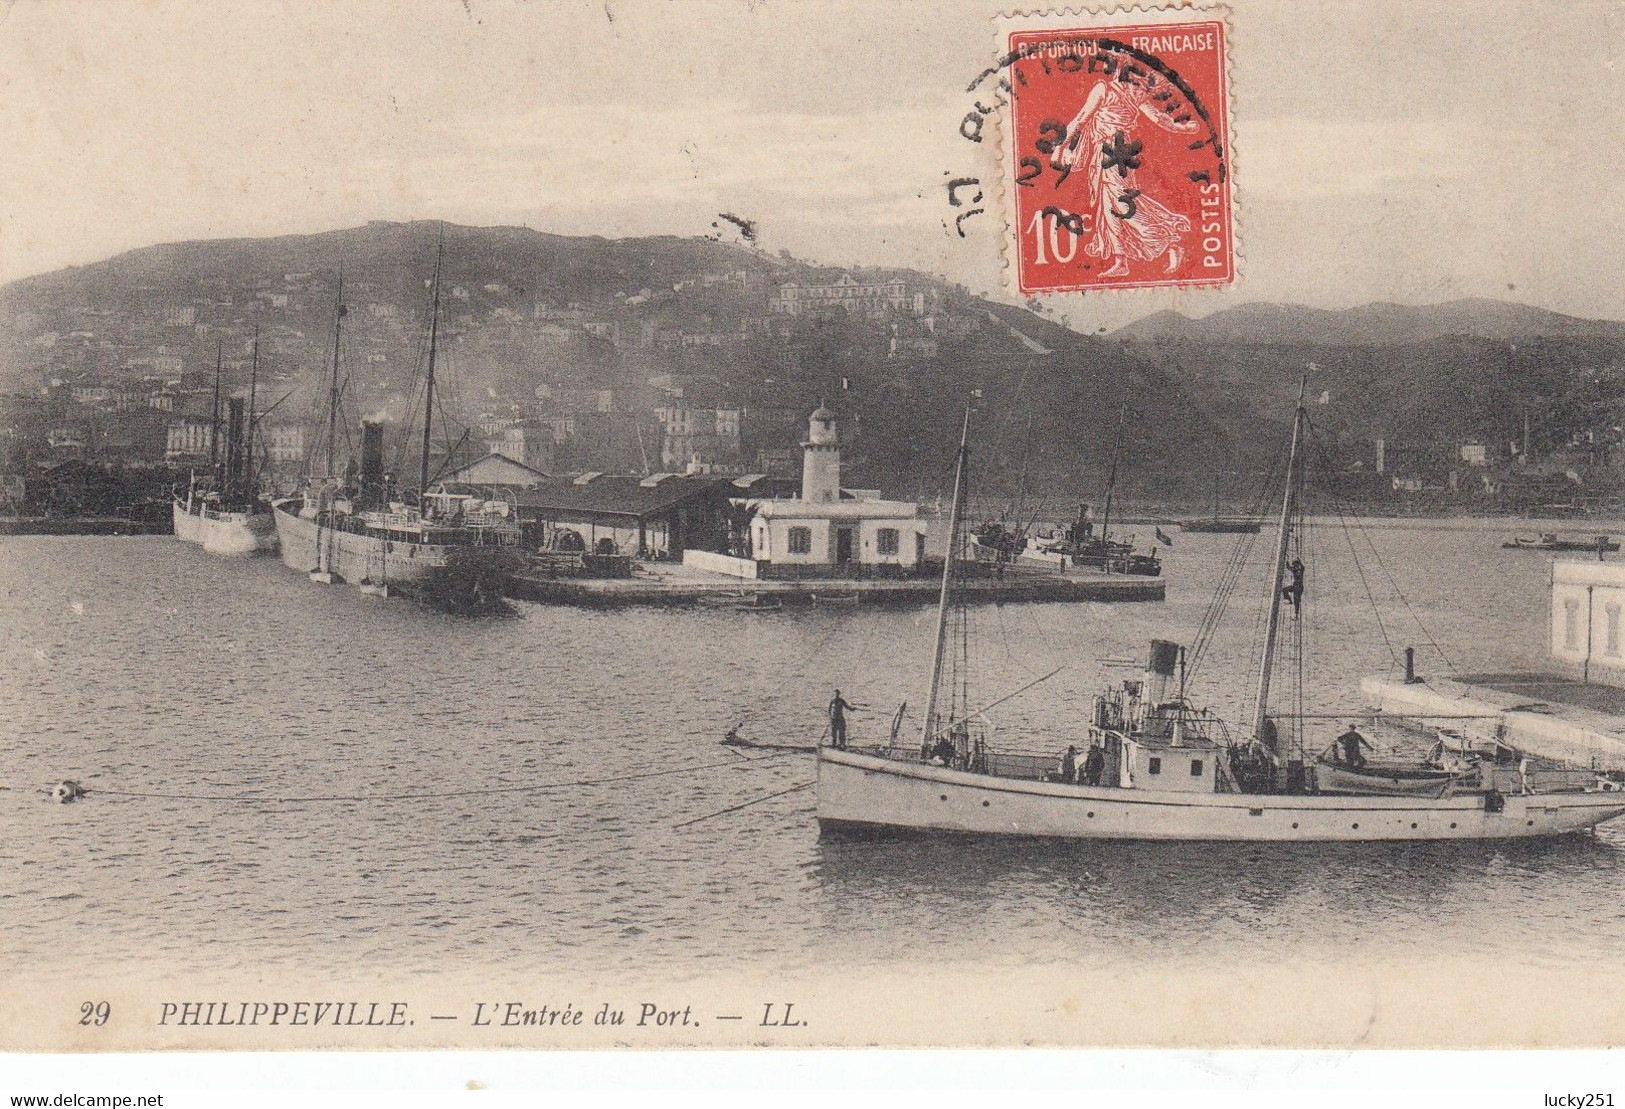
(222, 531)
(455, 549)
(222, 512)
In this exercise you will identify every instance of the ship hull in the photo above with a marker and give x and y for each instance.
(858, 792)
(233, 534)
(1223, 527)
(1118, 559)
(352, 557)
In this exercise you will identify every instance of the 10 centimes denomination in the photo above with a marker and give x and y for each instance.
(1117, 165)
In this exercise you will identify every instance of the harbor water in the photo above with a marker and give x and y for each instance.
(329, 781)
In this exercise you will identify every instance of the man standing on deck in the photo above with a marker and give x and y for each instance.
(1093, 764)
(838, 708)
(1352, 741)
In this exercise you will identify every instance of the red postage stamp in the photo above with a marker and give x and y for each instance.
(1119, 156)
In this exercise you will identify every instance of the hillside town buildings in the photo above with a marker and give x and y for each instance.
(847, 294)
(706, 373)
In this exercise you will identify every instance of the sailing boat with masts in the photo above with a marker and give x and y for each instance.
(366, 532)
(1222, 525)
(222, 511)
(1157, 768)
(1082, 545)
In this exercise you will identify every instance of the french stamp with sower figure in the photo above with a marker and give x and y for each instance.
(1118, 152)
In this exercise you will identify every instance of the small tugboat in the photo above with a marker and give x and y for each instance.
(1222, 525)
(1080, 545)
(1155, 767)
(1232, 525)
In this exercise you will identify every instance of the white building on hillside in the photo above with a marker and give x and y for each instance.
(833, 528)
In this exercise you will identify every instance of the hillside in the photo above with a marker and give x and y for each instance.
(1368, 325)
(531, 323)
(1425, 380)
(630, 354)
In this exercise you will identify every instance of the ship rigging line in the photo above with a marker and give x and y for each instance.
(1354, 553)
(423, 796)
(1230, 577)
(1427, 634)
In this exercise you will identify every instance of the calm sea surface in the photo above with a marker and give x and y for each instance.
(143, 665)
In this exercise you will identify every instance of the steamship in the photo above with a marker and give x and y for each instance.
(368, 534)
(369, 538)
(200, 518)
(222, 511)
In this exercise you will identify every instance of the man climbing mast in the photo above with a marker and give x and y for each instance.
(1293, 589)
(1283, 539)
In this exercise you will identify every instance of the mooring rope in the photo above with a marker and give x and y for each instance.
(745, 804)
(425, 795)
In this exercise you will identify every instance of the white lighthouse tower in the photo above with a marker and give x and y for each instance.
(826, 531)
(821, 459)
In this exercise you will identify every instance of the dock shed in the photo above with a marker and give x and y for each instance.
(648, 517)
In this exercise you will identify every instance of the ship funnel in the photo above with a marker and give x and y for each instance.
(372, 456)
(1159, 671)
(237, 460)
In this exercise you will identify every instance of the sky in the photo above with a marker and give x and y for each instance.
(1411, 152)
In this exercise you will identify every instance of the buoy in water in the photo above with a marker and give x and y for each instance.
(67, 791)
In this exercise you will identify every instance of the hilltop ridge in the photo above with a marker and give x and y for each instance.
(1375, 324)
(647, 334)
(667, 353)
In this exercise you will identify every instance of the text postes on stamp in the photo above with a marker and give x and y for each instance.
(1118, 152)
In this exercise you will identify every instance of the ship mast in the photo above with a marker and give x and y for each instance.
(248, 434)
(214, 417)
(1111, 476)
(947, 583)
(333, 390)
(1288, 503)
(428, 393)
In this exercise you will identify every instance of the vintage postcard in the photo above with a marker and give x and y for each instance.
(749, 524)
